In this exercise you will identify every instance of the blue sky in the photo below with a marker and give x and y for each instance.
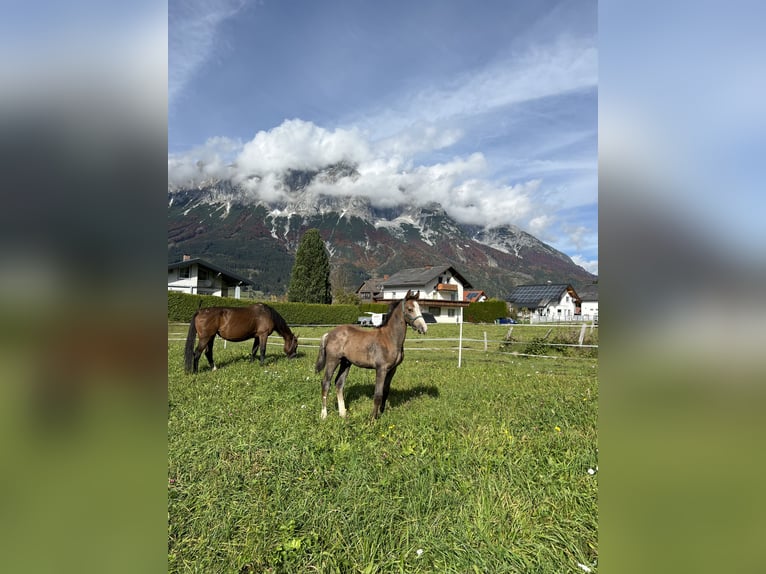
(489, 108)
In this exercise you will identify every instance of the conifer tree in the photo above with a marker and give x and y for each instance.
(310, 279)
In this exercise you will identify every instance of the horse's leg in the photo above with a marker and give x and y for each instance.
(340, 380)
(264, 339)
(201, 346)
(209, 353)
(377, 399)
(256, 342)
(331, 365)
(387, 387)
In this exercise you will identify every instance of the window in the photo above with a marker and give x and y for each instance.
(450, 312)
(202, 274)
(435, 311)
(183, 273)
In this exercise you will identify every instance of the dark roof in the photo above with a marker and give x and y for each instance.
(588, 292)
(419, 276)
(534, 296)
(212, 267)
(374, 285)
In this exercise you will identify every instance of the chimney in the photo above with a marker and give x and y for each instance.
(186, 257)
(385, 277)
(429, 266)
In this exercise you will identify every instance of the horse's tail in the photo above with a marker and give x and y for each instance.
(189, 350)
(322, 357)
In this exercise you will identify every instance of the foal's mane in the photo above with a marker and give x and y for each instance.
(387, 314)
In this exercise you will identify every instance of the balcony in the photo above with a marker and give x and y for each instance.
(446, 287)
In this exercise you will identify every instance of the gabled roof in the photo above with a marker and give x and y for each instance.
(374, 285)
(206, 264)
(534, 296)
(588, 292)
(419, 276)
(473, 295)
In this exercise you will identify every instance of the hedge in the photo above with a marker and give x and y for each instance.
(373, 308)
(486, 311)
(181, 307)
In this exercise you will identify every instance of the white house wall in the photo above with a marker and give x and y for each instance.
(193, 285)
(589, 310)
(428, 291)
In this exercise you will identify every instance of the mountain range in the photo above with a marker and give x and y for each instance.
(257, 238)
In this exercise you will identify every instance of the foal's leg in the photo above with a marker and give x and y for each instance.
(386, 388)
(340, 380)
(377, 399)
(329, 369)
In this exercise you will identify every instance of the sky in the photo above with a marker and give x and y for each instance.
(488, 108)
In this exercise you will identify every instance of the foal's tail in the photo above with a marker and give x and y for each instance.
(189, 350)
(322, 357)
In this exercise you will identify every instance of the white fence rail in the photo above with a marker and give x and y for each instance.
(457, 344)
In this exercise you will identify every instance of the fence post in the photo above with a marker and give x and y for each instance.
(460, 342)
(485, 341)
(582, 334)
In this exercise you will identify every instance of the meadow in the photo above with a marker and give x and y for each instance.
(489, 467)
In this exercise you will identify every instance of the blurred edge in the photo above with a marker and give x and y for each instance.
(83, 150)
(682, 287)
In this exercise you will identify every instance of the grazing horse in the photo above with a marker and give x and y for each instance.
(381, 349)
(235, 324)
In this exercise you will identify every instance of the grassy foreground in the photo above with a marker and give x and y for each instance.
(485, 468)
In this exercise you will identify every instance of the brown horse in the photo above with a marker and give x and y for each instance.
(381, 349)
(235, 324)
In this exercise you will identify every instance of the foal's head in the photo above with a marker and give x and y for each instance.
(412, 314)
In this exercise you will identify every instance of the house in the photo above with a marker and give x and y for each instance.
(546, 302)
(441, 289)
(589, 296)
(371, 289)
(474, 296)
(197, 276)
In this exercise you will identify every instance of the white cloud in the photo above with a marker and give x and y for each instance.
(590, 265)
(192, 38)
(566, 65)
(297, 144)
(387, 173)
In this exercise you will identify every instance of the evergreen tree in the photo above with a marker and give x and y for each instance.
(310, 279)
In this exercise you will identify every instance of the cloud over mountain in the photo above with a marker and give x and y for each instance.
(386, 172)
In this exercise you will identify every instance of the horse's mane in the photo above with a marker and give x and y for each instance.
(280, 325)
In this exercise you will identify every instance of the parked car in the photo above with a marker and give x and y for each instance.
(506, 321)
(372, 319)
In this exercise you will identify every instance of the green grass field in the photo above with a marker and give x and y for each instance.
(482, 468)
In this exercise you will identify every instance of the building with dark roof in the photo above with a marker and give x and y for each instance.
(589, 297)
(196, 276)
(371, 289)
(546, 302)
(441, 290)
